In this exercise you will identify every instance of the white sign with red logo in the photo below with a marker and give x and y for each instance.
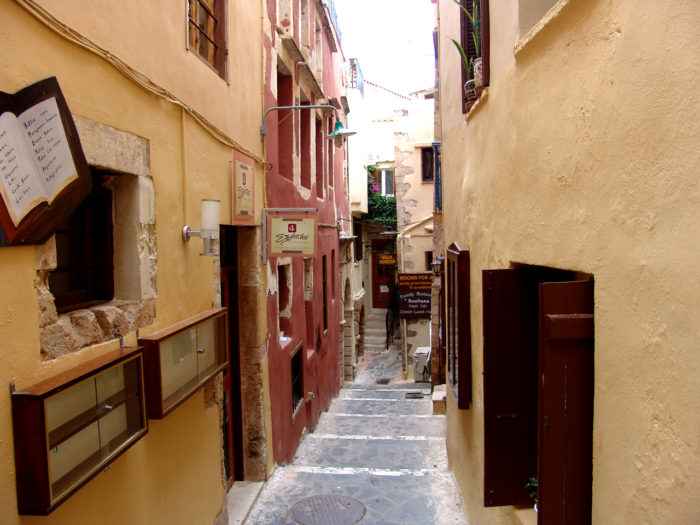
(243, 191)
(292, 236)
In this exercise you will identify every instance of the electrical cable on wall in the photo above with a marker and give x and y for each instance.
(138, 78)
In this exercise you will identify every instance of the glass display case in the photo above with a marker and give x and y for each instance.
(68, 428)
(179, 359)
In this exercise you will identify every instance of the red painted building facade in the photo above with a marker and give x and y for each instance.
(305, 178)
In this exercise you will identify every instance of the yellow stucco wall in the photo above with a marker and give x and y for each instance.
(582, 155)
(174, 474)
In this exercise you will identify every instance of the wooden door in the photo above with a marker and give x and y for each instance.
(383, 273)
(232, 427)
(565, 454)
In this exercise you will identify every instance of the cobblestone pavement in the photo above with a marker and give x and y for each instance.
(379, 452)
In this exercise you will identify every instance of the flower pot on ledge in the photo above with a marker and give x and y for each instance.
(470, 90)
(478, 72)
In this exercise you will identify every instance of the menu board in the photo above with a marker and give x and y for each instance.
(40, 159)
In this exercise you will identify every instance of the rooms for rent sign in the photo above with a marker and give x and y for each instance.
(414, 295)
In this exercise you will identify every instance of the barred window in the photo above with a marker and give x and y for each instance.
(206, 34)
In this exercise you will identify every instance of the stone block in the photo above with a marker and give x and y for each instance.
(86, 328)
(113, 321)
(58, 339)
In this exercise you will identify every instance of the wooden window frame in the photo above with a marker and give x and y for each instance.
(318, 151)
(330, 160)
(381, 175)
(459, 359)
(467, 42)
(305, 138)
(89, 232)
(357, 242)
(427, 163)
(214, 12)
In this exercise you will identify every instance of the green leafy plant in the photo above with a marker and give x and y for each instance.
(475, 20)
(466, 64)
(531, 487)
(380, 208)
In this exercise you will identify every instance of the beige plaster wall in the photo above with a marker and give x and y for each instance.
(582, 155)
(174, 474)
(414, 130)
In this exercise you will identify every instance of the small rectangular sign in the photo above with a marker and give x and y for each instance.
(292, 236)
(415, 291)
(243, 186)
(386, 259)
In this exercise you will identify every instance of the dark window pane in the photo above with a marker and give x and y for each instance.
(84, 270)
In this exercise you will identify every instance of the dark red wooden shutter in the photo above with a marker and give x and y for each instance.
(566, 398)
(510, 385)
(485, 39)
(459, 349)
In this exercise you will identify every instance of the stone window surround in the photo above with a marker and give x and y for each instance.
(133, 307)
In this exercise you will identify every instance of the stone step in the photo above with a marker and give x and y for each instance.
(361, 451)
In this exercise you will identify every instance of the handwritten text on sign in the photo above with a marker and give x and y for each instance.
(414, 295)
(35, 159)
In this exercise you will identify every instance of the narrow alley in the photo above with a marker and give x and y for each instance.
(377, 456)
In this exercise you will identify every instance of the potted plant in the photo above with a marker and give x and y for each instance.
(531, 487)
(475, 67)
(468, 65)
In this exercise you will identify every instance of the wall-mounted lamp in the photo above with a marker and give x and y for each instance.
(338, 134)
(436, 265)
(209, 228)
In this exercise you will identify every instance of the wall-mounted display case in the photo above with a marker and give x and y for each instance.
(68, 428)
(182, 357)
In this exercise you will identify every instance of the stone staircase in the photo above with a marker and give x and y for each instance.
(375, 331)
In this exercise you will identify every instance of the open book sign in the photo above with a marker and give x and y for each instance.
(43, 171)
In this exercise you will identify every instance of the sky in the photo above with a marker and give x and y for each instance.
(392, 39)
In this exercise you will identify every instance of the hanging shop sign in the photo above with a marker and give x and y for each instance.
(243, 187)
(43, 172)
(291, 235)
(414, 295)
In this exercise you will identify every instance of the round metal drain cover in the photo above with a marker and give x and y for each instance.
(328, 509)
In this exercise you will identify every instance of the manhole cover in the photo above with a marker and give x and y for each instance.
(328, 509)
(383, 380)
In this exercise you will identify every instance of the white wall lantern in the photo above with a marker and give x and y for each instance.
(209, 230)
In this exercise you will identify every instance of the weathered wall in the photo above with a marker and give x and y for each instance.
(303, 326)
(574, 159)
(174, 474)
(414, 130)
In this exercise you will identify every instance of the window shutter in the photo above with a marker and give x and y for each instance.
(510, 385)
(485, 39)
(566, 397)
(459, 353)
